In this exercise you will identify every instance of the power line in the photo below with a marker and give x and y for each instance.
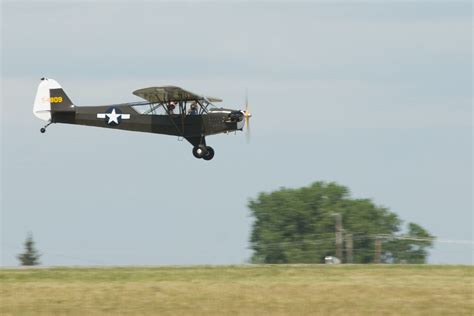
(371, 236)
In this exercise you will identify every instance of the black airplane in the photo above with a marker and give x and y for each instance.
(167, 110)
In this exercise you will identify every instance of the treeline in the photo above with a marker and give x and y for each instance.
(306, 225)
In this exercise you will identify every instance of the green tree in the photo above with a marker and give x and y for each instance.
(409, 248)
(298, 226)
(31, 256)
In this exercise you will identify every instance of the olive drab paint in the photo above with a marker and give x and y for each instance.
(54, 106)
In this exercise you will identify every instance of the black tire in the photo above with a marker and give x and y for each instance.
(42, 130)
(209, 154)
(198, 152)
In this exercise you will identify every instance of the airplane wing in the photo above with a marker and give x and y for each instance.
(170, 93)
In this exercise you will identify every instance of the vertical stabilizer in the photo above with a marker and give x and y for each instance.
(50, 95)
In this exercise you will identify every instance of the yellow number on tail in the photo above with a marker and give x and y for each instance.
(56, 99)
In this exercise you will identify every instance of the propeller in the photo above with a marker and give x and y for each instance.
(247, 116)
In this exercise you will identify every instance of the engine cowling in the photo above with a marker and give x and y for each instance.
(235, 116)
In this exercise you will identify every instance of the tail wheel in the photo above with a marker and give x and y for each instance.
(209, 153)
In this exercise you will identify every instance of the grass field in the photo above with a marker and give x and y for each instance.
(240, 290)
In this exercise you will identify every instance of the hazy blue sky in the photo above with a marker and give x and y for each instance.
(377, 97)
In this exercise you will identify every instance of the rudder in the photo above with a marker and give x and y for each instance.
(51, 97)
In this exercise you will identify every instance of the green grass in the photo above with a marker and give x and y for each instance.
(240, 290)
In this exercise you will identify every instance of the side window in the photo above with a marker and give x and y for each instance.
(149, 109)
(193, 108)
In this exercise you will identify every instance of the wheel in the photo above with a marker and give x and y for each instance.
(198, 152)
(42, 130)
(209, 154)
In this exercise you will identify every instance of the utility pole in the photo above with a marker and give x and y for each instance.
(338, 236)
(349, 247)
(378, 249)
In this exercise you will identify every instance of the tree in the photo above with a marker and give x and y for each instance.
(31, 256)
(298, 226)
(409, 248)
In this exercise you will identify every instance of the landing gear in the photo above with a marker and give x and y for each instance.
(204, 152)
(209, 154)
(198, 151)
(43, 129)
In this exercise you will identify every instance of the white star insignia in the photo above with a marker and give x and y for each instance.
(113, 117)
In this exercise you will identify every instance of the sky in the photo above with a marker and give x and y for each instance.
(374, 96)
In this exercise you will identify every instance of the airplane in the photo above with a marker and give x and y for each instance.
(168, 110)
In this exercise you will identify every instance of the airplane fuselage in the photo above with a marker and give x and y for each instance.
(127, 118)
(169, 110)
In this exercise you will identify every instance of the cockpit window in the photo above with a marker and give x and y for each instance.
(164, 108)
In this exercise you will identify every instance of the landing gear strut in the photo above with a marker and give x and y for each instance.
(43, 129)
(204, 152)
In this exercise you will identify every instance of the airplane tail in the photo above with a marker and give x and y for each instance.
(51, 97)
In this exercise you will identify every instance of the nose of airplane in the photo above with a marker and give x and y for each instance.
(236, 116)
(246, 115)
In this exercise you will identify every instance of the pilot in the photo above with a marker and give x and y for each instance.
(171, 107)
(194, 109)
